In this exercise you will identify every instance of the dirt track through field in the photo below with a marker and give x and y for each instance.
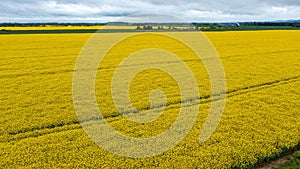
(277, 162)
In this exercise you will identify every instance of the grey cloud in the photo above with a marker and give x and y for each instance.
(192, 10)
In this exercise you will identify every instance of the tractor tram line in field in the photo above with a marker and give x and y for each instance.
(54, 128)
(109, 68)
(75, 126)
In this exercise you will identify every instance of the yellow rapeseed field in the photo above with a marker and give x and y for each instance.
(40, 129)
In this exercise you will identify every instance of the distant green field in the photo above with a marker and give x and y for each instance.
(4, 31)
(247, 28)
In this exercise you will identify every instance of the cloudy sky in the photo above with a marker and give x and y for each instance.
(113, 10)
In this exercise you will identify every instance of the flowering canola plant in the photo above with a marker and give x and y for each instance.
(40, 129)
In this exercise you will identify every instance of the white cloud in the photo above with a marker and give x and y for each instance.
(199, 14)
(279, 9)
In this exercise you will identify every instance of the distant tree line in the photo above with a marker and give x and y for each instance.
(295, 23)
(283, 23)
